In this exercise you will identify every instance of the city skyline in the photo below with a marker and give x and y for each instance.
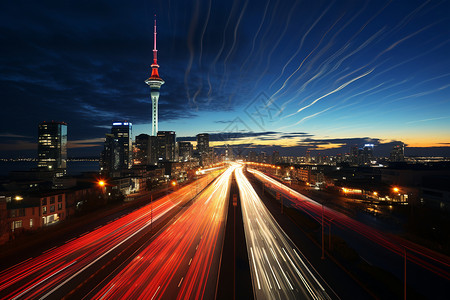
(329, 75)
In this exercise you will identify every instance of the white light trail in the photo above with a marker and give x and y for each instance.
(290, 278)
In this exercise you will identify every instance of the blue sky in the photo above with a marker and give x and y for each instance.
(340, 72)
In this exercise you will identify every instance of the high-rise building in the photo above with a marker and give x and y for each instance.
(229, 152)
(365, 155)
(52, 146)
(185, 151)
(117, 155)
(145, 149)
(110, 157)
(397, 153)
(251, 156)
(122, 132)
(203, 143)
(155, 82)
(308, 156)
(275, 157)
(166, 145)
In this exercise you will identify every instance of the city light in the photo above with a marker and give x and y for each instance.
(302, 152)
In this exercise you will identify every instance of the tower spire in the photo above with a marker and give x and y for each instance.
(155, 52)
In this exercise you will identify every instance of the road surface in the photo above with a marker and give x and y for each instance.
(277, 267)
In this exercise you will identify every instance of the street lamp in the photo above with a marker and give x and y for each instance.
(102, 185)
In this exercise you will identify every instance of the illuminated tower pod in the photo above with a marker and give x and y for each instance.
(155, 83)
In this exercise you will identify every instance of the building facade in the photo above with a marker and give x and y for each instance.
(166, 145)
(52, 147)
(185, 151)
(117, 154)
(397, 153)
(145, 150)
(203, 143)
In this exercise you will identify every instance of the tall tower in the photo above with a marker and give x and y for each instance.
(155, 83)
(52, 147)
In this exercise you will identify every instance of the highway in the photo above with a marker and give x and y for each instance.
(182, 261)
(428, 259)
(278, 269)
(57, 271)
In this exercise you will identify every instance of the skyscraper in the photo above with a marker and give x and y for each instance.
(397, 153)
(155, 83)
(185, 150)
(146, 149)
(52, 146)
(166, 145)
(110, 158)
(203, 143)
(122, 133)
(117, 155)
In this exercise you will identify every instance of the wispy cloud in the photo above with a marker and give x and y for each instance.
(87, 143)
(11, 135)
(427, 120)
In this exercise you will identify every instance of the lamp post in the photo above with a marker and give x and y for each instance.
(323, 249)
(404, 279)
(151, 214)
(329, 235)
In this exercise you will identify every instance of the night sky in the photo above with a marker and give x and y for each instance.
(265, 74)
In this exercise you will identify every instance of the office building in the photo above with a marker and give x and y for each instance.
(122, 133)
(185, 151)
(145, 150)
(397, 153)
(166, 146)
(203, 143)
(117, 154)
(52, 147)
(109, 160)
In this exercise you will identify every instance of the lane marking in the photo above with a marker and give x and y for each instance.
(180, 281)
(107, 291)
(48, 250)
(94, 261)
(270, 266)
(155, 292)
(282, 271)
(307, 269)
(38, 283)
(254, 265)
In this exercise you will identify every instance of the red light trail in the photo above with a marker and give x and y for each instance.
(182, 261)
(424, 257)
(41, 276)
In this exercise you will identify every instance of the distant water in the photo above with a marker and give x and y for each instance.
(73, 167)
